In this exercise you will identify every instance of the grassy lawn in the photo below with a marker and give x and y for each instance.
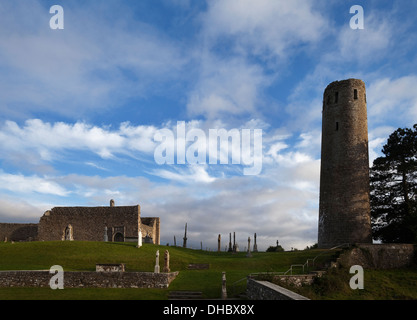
(83, 256)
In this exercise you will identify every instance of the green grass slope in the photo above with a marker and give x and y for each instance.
(83, 256)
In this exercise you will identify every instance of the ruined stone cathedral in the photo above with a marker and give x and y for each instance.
(111, 223)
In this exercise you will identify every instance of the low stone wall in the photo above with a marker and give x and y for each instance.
(88, 279)
(264, 290)
(121, 267)
(379, 256)
(298, 280)
(18, 231)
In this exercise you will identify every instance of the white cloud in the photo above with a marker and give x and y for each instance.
(13, 210)
(227, 87)
(241, 42)
(33, 184)
(139, 138)
(378, 137)
(368, 44)
(279, 204)
(394, 100)
(268, 28)
(192, 175)
(92, 64)
(47, 141)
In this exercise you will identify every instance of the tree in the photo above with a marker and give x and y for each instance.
(277, 248)
(393, 180)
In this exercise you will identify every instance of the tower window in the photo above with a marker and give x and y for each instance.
(337, 126)
(336, 97)
(355, 94)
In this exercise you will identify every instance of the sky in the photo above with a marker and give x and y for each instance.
(90, 112)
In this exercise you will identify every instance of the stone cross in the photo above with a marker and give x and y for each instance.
(234, 241)
(255, 246)
(219, 243)
(185, 237)
(157, 262)
(248, 254)
(166, 262)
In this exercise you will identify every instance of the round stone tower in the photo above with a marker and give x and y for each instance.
(344, 214)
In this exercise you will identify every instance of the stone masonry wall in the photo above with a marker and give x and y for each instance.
(10, 279)
(88, 222)
(153, 224)
(344, 213)
(18, 232)
(379, 256)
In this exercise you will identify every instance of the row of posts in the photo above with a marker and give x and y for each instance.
(232, 248)
(235, 248)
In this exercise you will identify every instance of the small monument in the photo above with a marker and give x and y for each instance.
(111, 203)
(166, 262)
(157, 262)
(248, 254)
(230, 243)
(139, 238)
(219, 238)
(234, 241)
(224, 289)
(235, 245)
(184, 244)
(255, 246)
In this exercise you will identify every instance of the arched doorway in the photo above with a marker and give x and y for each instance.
(68, 233)
(118, 237)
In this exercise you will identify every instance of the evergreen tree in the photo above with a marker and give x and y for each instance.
(393, 180)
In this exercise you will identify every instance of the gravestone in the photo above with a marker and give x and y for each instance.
(248, 254)
(255, 246)
(157, 262)
(166, 262)
(224, 289)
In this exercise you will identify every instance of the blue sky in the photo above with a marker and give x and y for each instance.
(80, 106)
